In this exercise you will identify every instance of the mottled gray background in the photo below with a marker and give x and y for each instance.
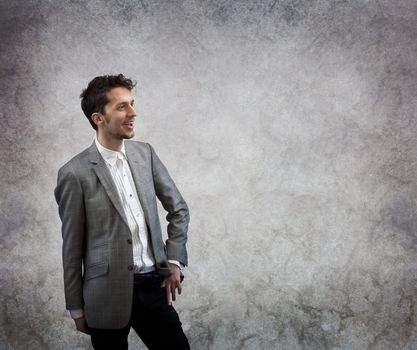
(288, 125)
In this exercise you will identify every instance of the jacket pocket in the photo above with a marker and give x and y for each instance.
(96, 270)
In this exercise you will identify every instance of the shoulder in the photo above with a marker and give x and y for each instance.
(79, 161)
(139, 145)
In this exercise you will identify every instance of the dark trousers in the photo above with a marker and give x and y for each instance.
(156, 322)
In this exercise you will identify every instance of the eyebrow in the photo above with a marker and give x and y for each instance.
(123, 103)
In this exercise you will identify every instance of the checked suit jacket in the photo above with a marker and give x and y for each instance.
(97, 249)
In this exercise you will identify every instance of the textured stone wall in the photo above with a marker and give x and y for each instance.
(288, 125)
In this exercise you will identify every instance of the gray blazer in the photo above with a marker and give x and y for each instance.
(97, 243)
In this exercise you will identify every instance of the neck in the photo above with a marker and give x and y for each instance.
(110, 143)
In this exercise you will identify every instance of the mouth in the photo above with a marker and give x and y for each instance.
(129, 125)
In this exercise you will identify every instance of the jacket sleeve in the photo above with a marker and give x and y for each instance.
(178, 215)
(69, 196)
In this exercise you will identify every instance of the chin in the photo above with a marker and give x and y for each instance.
(129, 136)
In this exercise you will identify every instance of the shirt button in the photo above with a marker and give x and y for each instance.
(130, 267)
(129, 241)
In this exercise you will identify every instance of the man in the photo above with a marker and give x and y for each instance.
(118, 273)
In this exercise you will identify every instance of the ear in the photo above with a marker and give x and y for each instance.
(97, 118)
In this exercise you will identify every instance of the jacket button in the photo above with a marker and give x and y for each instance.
(129, 241)
(130, 267)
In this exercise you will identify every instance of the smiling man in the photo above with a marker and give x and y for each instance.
(118, 272)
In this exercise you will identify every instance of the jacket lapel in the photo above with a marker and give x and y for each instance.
(136, 164)
(100, 168)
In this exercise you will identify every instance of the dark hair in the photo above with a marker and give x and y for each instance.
(94, 97)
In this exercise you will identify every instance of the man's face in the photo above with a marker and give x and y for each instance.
(119, 115)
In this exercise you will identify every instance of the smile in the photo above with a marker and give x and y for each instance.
(129, 125)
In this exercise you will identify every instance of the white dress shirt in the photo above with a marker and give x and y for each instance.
(120, 171)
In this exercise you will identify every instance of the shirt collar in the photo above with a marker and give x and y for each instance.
(109, 155)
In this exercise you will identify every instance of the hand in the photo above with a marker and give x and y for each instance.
(82, 325)
(172, 282)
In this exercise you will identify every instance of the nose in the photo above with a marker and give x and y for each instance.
(131, 111)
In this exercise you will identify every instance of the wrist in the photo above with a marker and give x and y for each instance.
(175, 262)
(174, 267)
(76, 314)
